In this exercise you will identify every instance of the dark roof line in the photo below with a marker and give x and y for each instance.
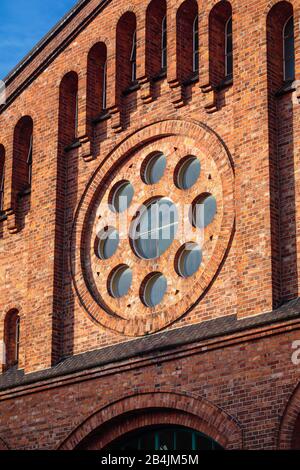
(48, 37)
(156, 343)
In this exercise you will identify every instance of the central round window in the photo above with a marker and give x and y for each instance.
(154, 228)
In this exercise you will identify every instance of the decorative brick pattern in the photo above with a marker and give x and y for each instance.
(216, 178)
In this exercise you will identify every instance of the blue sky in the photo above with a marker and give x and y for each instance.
(23, 23)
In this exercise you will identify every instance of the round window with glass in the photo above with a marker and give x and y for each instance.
(155, 233)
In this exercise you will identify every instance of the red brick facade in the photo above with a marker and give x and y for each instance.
(238, 385)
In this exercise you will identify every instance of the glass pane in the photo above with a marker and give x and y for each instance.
(184, 440)
(203, 443)
(147, 441)
(188, 173)
(122, 196)
(229, 45)
(204, 211)
(155, 168)
(290, 69)
(229, 27)
(121, 281)
(189, 260)
(229, 65)
(166, 440)
(156, 229)
(108, 242)
(196, 62)
(289, 28)
(155, 290)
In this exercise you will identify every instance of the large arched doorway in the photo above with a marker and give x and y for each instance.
(164, 437)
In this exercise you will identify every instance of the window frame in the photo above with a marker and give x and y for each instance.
(284, 60)
(133, 58)
(2, 182)
(196, 44)
(228, 54)
(17, 339)
(104, 87)
(29, 161)
(164, 45)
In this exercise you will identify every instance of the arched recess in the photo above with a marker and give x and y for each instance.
(289, 431)
(218, 24)
(96, 82)
(282, 160)
(11, 338)
(126, 30)
(130, 413)
(2, 170)
(155, 15)
(186, 15)
(23, 149)
(66, 196)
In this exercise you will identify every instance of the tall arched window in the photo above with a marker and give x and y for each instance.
(68, 108)
(187, 39)
(156, 38)
(289, 50)
(228, 50)
(2, 167)
(126, 50)
(12, 338)
(164, 43)
(104, 87)
(220, 44)
(22, 157)
(133, 58)
(96, 83)
(29, 161)
(196, 44)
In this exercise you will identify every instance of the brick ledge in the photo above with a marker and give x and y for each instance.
(159, 342)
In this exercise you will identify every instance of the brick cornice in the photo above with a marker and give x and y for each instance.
(34, 383)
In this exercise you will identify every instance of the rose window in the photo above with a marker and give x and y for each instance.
(154, 235)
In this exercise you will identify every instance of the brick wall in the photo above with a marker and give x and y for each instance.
(257, 131)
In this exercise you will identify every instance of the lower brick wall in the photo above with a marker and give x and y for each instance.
(243, 394)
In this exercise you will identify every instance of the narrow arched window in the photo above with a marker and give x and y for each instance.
(29, 162)
(76, 114)
(196, 44)
(133, 58)
(104, 86)
(12, 338)
(17, 339)
(228, 50)
(289, 50)
(2, 166)
(164, 43)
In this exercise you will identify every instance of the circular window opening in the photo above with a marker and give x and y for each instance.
(121, 196)
(154, 168)
(120, 281)
(155, 228)
(107, 243)
(204, 210)
(154, 290)
(187, 172)
(189, 260)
